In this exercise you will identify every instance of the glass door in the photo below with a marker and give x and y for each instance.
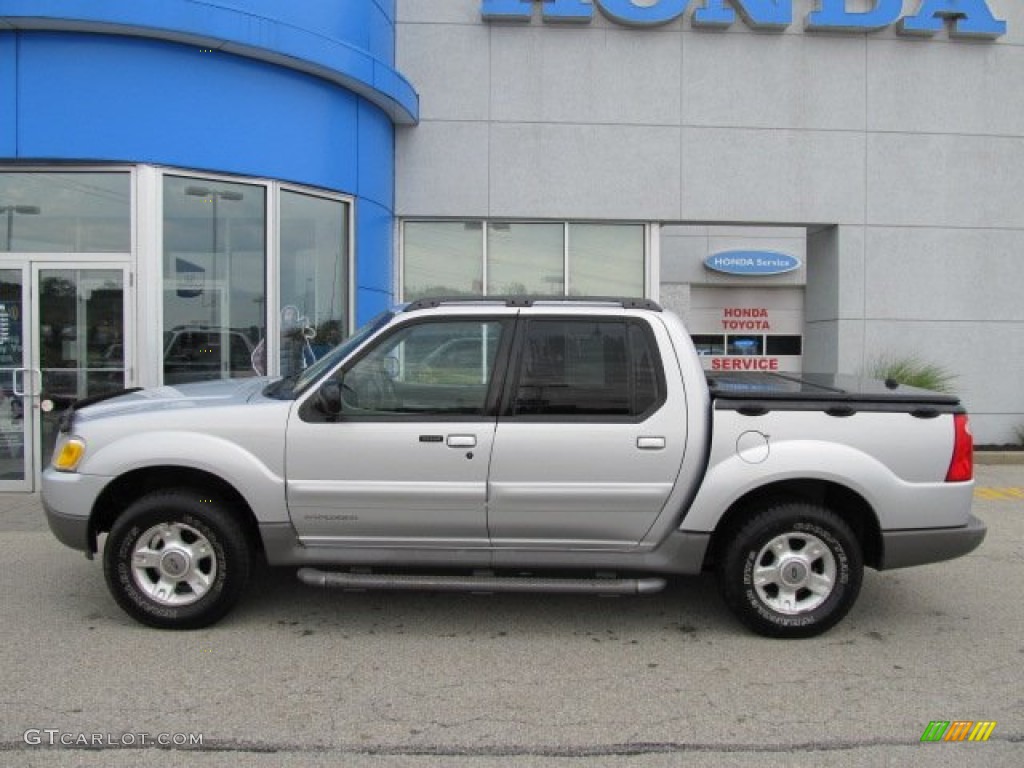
(17, 382)
(79, 325)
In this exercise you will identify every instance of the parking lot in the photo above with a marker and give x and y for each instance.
(296, 676)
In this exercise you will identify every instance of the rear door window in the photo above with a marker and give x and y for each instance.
(579, 368)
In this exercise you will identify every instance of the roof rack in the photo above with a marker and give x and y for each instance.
(529, 301)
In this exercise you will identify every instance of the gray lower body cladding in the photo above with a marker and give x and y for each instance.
(681, 553)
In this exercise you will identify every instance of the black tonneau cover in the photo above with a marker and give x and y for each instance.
(815, 391)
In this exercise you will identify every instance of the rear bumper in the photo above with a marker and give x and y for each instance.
(901, 549)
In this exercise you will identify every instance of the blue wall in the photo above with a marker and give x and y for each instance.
(303, 91)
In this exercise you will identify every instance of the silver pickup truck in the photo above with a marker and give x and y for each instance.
(516, 444)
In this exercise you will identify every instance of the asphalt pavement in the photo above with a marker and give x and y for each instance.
(297, 676)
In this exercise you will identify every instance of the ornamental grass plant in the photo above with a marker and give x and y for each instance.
(912, 371)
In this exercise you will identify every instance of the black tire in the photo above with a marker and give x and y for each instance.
(793, 570)
(177, 560)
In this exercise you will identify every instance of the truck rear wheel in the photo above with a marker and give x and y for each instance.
(794, 570)
(176, 560)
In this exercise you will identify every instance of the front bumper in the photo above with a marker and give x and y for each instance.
(901, 549)
(68, 499)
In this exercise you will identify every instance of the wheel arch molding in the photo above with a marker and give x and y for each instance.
(849, 505)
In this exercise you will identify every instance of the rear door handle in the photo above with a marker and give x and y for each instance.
(650, 443)
(461, 441)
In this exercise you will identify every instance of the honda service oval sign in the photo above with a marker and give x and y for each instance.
(752, 263)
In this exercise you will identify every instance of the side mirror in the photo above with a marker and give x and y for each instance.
(328, 398)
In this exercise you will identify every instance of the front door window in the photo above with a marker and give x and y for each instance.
(430, 369)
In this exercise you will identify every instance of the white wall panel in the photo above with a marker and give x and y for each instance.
(931, 87)
(773, 81)
(584, 171)
(772, 176)
(963, 275)
(451, 66)
(443, 167)
(573, 75)
(945, 180)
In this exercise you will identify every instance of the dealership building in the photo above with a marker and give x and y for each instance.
(197, 189)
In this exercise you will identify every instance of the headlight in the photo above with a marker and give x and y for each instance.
(68, 454)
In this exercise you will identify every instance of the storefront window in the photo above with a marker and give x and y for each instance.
(314, 268)
(606, 260)
(451, 258)
(745, 345)
(215, 266)
(43, 212)
(784, 345)
(443, 258)
(525, 259)
(709, 344)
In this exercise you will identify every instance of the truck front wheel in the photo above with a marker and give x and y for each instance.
(176, 560)
(793, 570)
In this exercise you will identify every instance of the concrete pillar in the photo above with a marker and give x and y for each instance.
(835, 300)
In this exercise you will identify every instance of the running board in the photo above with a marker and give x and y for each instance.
(341, 580)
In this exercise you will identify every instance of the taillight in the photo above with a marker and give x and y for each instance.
(961, 468)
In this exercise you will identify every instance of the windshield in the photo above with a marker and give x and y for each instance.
(293, 385)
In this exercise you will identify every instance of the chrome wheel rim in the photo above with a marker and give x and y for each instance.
(794, 573)
(174, 564)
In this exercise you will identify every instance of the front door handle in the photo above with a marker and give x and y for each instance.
(650, 443)
(462, 441)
